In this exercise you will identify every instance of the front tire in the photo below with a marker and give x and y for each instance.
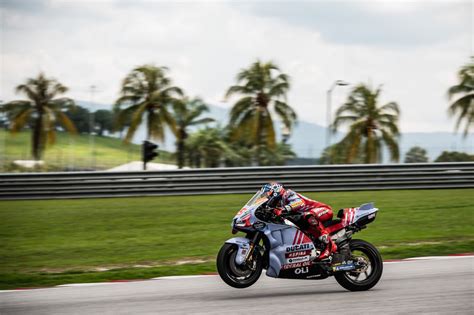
(362, 280)
(234, 275)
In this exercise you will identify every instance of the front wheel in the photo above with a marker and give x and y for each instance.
(238, 276)
(367, 276)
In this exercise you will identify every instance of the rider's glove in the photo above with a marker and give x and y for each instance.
(280, 211)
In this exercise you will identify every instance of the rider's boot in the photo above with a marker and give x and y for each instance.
(318, 232)
(331, 247)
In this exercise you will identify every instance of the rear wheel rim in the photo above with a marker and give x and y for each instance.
(364, 274)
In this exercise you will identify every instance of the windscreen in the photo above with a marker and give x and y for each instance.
(257, 199)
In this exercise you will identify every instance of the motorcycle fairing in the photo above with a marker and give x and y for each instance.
(243, 245)
(365, 210)
(289, 250)
(361, 215)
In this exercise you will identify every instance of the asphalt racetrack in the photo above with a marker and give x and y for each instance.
(438, 285)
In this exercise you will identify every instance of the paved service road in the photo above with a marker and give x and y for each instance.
(437, 285)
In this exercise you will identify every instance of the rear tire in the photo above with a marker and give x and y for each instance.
(234, 275)
(349, 279)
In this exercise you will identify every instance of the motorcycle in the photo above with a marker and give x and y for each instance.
(279, 245)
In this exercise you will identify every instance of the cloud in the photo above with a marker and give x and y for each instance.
(205, 44)
(24, 5)
(389, 22)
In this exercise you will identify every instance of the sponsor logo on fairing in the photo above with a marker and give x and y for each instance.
(259, 225)
(297, 259)
(322, 213)
(301, 270)
(298, 254)
(295, 248)
(296, 265)
(241, 211)
(343, 267)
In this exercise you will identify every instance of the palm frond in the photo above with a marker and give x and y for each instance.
(239, 108)
(201, 121)
(28, 91)
(286, 114)
(464, 109)
(279, 89)
(392, 146)
(66, 122)
(20, 119)
(392, 106)
(169, 120)
(268, 130)
(155, 125)
(127, 100)
(137, 117)
(236, 89)
(14, 106)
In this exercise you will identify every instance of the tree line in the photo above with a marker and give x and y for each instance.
(149, 97)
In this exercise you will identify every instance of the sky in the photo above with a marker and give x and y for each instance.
(413, 49)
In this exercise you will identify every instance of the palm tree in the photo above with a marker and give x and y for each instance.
(207, 147)
(279, 155)
(186, 114)
(370, 125)
(261, 85)
(42, 109)
(464, 105)
(337, 154)
(147, 91)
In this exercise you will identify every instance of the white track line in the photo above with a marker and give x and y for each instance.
(438, 257)
(203, 276)
(180, 277)
(92, 284)
(413, 259)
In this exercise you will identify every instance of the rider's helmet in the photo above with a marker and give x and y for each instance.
(274, 191)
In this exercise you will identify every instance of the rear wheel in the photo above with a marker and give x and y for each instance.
(238, 276)
(366, 277)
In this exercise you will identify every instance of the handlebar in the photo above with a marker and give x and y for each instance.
(267, 214)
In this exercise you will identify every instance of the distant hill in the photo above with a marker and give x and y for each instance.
(74, 152)
(308, 139)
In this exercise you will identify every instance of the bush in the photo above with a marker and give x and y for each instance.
(453, 156)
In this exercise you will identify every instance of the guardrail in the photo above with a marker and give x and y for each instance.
(235, 180)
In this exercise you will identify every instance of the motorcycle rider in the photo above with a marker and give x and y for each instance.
(314, 213)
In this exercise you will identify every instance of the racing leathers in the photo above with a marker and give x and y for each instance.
(315, 213)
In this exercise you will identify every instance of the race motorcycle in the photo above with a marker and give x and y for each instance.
(279, 245)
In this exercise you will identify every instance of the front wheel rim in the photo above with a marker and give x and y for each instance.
(236, 272)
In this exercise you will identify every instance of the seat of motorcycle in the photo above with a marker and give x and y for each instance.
(331, 222)
(340, 213)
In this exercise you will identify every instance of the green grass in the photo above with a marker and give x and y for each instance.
(52, 242)
(74, 151)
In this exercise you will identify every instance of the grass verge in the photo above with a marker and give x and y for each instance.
(50, 242)
(74, 152)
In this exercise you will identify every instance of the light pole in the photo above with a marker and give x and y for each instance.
(92, 90)
(329, 110)
(3, 152)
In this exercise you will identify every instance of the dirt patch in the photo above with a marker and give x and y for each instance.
(187, 261)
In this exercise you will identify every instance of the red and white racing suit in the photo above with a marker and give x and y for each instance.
(315, 213)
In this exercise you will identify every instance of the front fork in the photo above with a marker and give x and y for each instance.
(253, 244)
